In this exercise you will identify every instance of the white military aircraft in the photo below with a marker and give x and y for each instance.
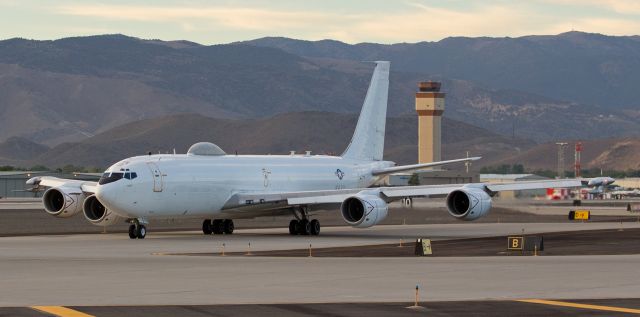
(209, 184)
(598, 185)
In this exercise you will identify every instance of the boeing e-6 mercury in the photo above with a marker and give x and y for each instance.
(209, 184)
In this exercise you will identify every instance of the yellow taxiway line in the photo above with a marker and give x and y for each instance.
(61, 311)
(578, 305)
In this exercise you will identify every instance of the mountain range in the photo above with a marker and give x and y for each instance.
(64, 101)
(318, 132)
(583, 67)
(69, 89)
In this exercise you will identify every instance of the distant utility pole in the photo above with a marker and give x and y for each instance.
(561, 146)
(577, 168)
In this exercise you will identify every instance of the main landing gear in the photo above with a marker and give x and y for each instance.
(302, 225)
(137, 230)
(217, 226)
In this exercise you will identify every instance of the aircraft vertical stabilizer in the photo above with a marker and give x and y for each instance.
(367, 142)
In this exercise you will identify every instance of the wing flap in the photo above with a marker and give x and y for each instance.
(525, 185)
(270, 201)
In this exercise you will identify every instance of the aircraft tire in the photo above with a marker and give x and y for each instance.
(132, 232)
(228, 226)
(141, 233)
(305, 227)
(206, 227)
(293, 224)
(217, 227)
(314, 227)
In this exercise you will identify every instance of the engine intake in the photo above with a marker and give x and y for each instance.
(96, 213)
(468, 203)
(363, 211)
(62, 202)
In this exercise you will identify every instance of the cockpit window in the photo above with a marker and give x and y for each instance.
(130, 175)
(110, 178)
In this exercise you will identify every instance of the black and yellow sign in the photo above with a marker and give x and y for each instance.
(579, 215)
(423, 247)
(515, 243)
(528, 243)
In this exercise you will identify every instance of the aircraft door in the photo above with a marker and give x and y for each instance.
(157, 176)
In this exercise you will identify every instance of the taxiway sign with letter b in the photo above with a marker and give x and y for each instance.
(515, 243)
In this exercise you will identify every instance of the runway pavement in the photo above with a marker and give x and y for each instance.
(110, 269)
(111, 275)
(530, 307)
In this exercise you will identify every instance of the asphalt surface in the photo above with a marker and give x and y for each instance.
(112, 270)
(595, 307)
(46, 261)
(586, 242)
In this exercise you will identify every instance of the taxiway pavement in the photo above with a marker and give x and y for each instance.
(111, 269)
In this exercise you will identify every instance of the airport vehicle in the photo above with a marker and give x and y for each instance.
(209, 184)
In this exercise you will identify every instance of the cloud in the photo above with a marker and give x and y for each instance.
(409, 22)
(238, 18)
(618, 6)
(426, 22)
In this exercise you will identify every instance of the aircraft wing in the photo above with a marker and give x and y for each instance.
(288, 199)
(41, 183)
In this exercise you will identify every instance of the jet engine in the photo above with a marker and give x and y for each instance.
(63, 202)
(363, 211)
(96, 213)
(468, 203)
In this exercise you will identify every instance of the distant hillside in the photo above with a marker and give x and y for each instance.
(66, 90)
(608, 154)
(320, 132)
(17, 149)
(581, 67)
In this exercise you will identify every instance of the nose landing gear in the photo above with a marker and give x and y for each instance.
(137, 230)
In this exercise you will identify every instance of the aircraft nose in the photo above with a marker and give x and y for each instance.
(107, 195)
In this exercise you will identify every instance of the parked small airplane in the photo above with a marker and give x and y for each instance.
(622, 193)
(599, 181)
(209, 184)
(598, 184)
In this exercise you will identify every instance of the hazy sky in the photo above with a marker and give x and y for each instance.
(382, 21)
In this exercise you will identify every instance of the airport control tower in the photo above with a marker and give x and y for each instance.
(430, 106)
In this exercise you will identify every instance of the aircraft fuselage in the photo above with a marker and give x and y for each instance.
(192, 185)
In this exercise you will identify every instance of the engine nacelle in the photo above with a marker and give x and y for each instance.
(63, 202)
(468, 203)
(364, 211)
(96, 213)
